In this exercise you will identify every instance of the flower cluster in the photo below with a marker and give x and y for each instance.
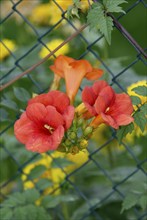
(52, 122)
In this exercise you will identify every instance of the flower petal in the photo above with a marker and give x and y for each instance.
(45, 99)
(124, 119)
(98, 86)
(105, 99)
(122, 105)
(44, 143)
(88, 96)
(110, 121)
(36, 112)
(94, 74)
(59, 100)
(53, 118)
(23, 128)
(68, 116)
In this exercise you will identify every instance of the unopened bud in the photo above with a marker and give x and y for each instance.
(80, 122)
(83, 143)
(74, 150)
(61, 148)
(67, 142)
(88, 131)
(72, 135)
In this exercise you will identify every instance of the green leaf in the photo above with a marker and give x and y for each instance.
(98, 19)
(6, 213)
(94, 15)
(130, 200)
(135, 100)
(9, 104)
(123, 131)
(143, 108)
(62, 161)
(31, 195)
(37, 171)
(44, 183)
(42, 214)
(21, 94)
(140, 119)
(50, 201)
(20, 213)
(31, 211)
(113, 5)
(3, 115)
(14, 200)
(140, 90)
(143, 201)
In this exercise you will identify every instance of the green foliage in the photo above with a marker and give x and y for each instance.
(135, 100)
(73, 10)
(140, 90)
(136, 196)
(37, 171)
(123, 131)
(98, 16)
(140, 120)
(22, 206)
(21, 94)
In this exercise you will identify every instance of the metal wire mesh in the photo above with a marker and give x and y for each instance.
(20, 63)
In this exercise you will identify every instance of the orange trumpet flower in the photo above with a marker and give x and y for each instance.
(73, 71)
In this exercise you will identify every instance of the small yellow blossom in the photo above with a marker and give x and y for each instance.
(50, 13)
(4, 52)
(52, 45)
(54, 174)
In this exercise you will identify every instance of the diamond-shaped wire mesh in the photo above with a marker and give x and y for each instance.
(104, 179)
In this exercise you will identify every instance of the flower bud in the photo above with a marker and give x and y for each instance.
(80, 122)
(67, 142)
(83, 143)
(72, 135)
(88, 131)
(74, 150)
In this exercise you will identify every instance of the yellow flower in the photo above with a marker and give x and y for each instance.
(54, 174)
(4, 52)
(52, 45)
(50, 13)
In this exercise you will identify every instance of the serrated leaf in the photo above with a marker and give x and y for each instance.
(37, 171)
(98, 19)
(140, 119)
(130, 200)
(113, 5)
(143, 108)
(135, 100)
(143, 202)
(21, 94)
(19, 213)
(31, 195)
(106, 27)
(50, 201)
(42, 214)
(31, 212)
(14, 200)
(6, 213)
(123, 131)
(140, 90)
(94, 15)
(43, 184)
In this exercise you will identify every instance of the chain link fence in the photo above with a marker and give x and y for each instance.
(110, 170)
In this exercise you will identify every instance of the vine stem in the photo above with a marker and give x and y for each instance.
(44, 59)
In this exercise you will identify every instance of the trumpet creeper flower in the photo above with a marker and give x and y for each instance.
(107, 106)
(41, 127)
(73, 71)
